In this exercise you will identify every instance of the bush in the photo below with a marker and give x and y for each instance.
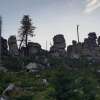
(74, 85)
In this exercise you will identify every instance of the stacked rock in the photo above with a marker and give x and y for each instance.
(59, 45)
(90, 42)
(13, 48)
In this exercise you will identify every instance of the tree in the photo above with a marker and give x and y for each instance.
(26, 30)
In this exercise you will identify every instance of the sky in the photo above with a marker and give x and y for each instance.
(51, 17)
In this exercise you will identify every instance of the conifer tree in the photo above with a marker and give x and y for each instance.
(26, 30)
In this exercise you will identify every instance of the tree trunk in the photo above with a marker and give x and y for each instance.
(26, 40)
(26, 43)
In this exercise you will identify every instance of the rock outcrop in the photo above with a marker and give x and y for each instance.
(59, 45)
(4, 47)
(32, 67)
(89, 48)
(33, 48)
(74, 50)
(90, 42)
(9, 91)
(13, 48)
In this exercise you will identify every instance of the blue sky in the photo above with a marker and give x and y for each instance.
(52, 17)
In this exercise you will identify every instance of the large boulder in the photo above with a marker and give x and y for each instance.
(9, 91)
(33, 48)
(32, 67)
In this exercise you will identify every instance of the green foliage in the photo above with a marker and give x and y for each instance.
(15, 63)
(24, 98)
(62, 85)
(12, 63)
(74, 85)
(56, 62)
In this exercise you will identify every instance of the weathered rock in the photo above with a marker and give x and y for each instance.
(74, 50)
(98, 41)
(69, 51)
(33, 48)
(45, 82)
(86, 52)
(92, 40)
(89, 48)
(3, 69)
(86, 43)
(10, 88)
(4, 50)
(13, 48)
(10, 91)
(92, 35)
(32, 67)
(59, 45)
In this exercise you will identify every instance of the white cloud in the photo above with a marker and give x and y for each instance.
(92, 5)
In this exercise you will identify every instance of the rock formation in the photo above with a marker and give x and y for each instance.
(9, 91)
(59, 45)
(33, 48)
(4, 50)
(22, 51)
(98, 41)
(92, 40)
(13, 48)
(90, 45)
(32, 67)
(89, 48)
(74, 50)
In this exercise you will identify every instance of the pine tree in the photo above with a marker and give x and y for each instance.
(26, 30)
